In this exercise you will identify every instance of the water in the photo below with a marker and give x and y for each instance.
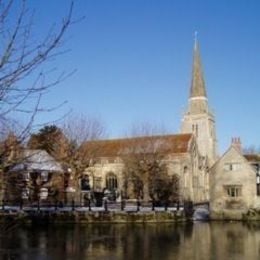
(216, 240)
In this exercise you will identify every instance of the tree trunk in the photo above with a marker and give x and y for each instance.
(146, 196)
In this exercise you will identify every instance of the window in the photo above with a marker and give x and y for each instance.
(195, 129)
(185, 170)
(258, 184)
(234, 191)
(232, 166)
(97, 183)
(25, 193)
(111, 181)
(26, 176)
(85, 186)
(43, 193)
(44, 176)
(258, 189)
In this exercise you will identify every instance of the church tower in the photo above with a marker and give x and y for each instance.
(198, 118)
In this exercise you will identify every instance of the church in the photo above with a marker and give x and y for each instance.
(187, 155)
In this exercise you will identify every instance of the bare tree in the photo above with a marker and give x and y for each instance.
(145, 169)
(252, 149)
(23, 77)
(81, 128)
(82, 133)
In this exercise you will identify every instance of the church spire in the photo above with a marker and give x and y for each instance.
(197, 83)
(198, 119)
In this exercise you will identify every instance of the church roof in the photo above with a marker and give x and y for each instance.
(197, 83)
(167, 144)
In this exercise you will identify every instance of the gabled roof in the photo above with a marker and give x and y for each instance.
(167, 144)
(230, 149)
(37, 160)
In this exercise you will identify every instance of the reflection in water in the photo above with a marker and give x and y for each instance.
(219, 240)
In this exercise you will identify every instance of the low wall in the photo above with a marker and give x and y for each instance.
(77, 217)
(227, 214)
(244, 215)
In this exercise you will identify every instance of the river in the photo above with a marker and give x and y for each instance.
(199, 241)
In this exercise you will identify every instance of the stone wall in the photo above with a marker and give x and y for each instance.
(75, 217)
(232, 186)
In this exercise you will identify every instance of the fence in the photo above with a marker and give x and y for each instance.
(124, 205)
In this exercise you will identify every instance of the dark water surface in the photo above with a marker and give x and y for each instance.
(216, 240)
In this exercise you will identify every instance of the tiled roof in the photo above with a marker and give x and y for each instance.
(168, 144)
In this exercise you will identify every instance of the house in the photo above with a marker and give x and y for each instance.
(233, 184)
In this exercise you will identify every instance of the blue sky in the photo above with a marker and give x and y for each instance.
(133, 61)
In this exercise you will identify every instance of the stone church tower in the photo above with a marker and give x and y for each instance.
(198, 118)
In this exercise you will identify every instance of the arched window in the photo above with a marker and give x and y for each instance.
(85, 185)
(195, 129)
(111, 181)
(185, 171)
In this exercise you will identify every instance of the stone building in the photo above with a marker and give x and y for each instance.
(233, 184)
(179, 153)
(188, 154)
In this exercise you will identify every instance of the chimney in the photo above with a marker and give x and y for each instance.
(236, 142)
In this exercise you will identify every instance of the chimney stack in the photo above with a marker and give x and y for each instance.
(236, 142)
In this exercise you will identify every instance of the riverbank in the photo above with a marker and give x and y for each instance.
(236, 215)
(80, 217)
(159, 215)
